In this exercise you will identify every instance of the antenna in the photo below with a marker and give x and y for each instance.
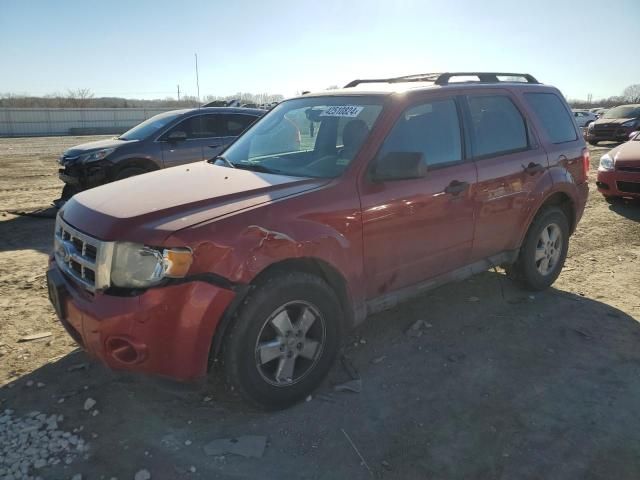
(178, 92)
(197, 79)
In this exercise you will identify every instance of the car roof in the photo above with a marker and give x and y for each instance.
(388, 89)
(428, 81)
(247, 111)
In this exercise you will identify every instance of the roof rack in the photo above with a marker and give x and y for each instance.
(444, 78)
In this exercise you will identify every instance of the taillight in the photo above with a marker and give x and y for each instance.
(585, 163)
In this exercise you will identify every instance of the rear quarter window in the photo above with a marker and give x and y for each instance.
(497, 127)
(553, 116)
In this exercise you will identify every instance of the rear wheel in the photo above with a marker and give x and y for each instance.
(544, 250)
(283, 340)
(593, 142)
(129, 172)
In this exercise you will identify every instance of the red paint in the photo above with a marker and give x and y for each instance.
(626, 169)
(378, 237)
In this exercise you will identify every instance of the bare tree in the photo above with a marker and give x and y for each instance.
(79, 97)
(632, 93)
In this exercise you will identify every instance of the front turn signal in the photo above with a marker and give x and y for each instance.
(177, 262)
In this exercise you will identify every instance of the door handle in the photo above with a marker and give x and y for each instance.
(215, 145)
(456, 187)
(533, 168)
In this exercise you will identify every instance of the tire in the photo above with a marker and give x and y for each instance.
(68, 191)
(612, 200)
(593, 142)
(261, 373)
(529, 272)
(129, 172)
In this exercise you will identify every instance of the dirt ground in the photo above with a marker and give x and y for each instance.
(501, 385)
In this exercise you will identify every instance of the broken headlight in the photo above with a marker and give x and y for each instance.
(139, 266)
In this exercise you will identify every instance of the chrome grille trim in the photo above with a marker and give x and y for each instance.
(93, 274)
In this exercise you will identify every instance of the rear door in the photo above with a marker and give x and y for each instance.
(205, 137)
(415, 229)
(510, 163)
(233, 125)
(562, 141)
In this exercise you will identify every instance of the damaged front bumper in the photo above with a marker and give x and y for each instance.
(164, 331)
(84, 176)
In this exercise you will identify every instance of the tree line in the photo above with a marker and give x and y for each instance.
(84, 98)
(631, 94)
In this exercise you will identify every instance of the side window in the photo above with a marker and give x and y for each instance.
(206, 126)
(237, 123)
(496, 125)
(553, 115)
(199, 126)
(431, 128)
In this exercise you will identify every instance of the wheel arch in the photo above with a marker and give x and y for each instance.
(311, 265)
(559, 199)
(135, 162)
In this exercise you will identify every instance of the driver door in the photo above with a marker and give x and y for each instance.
(419, 228)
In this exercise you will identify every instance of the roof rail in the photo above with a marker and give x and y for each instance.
(444, 78)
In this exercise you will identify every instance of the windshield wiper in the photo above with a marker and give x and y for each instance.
(256, 167)
(226, 161)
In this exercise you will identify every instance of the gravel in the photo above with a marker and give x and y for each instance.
(33, 442)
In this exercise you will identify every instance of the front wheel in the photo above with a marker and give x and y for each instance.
(129, 172)
(544, 250)
(283, 340)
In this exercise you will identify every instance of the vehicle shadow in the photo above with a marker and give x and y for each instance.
(628, 208)
(498, 383)
(28, 231)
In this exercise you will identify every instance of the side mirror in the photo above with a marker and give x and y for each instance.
(399, 166)
(177, 136)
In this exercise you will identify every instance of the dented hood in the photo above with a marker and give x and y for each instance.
(150, 207)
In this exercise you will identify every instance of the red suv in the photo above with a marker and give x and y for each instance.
(265, 256)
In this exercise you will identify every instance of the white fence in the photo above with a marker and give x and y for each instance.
(33, 122)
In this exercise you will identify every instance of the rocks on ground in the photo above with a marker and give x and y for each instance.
(33, 442)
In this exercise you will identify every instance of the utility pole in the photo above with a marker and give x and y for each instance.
(178, 92)
(197, 79)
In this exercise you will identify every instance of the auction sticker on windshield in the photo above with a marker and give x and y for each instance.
(350, 111)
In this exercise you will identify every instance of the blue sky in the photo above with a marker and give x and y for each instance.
(143, 49)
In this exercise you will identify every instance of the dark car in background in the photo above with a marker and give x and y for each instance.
(615, 125)
(165, 140)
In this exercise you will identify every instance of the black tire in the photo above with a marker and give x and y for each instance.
(526, 269)
(129, 172)
(593, 142)
(68, 191)
(612, 200)
(252, 326)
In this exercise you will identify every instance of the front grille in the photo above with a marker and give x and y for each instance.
(628, 169)
(610, 130)
(85, 259)
(629, 187)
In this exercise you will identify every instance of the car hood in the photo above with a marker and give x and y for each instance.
(627, 154)
(612, 121)
(97, 145)
(148, 208)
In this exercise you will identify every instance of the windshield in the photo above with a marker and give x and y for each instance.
(149, 126)
(623, 112)
(307, 137)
